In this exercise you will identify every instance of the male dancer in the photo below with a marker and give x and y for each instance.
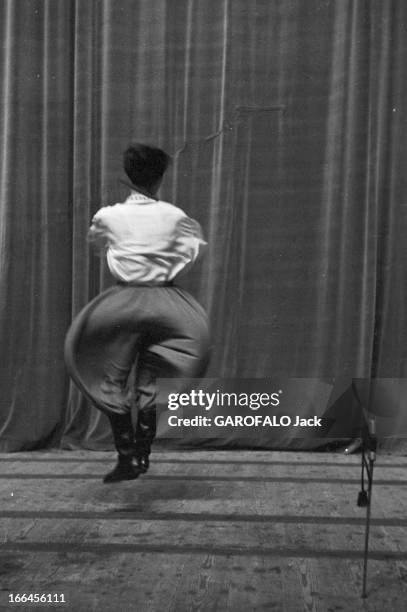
(144, 320)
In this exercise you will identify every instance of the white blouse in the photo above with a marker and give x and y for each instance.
(147, 242)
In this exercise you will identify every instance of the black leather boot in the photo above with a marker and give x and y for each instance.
(124, 441)
(124, 470)
(145, 434)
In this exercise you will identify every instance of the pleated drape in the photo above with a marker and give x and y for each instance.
(286, 120)
(36, 217)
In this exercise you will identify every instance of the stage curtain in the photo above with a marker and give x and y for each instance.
(286, 121)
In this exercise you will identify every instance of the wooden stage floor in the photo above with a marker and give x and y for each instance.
(203, 530)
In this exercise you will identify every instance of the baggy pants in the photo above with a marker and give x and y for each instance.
(161, 332)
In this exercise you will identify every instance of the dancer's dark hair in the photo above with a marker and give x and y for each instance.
(145, 165)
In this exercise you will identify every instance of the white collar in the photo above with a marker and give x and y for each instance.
(138, 198)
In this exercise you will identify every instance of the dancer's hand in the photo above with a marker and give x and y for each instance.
(97, 235)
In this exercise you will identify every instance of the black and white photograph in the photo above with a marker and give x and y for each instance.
(203, 276)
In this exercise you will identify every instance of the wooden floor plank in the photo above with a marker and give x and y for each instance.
(145, 494)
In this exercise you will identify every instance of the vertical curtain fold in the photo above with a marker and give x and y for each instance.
(35, 218)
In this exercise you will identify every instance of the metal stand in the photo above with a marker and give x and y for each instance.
(369, 446)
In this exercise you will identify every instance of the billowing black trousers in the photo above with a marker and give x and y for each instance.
(155, 332)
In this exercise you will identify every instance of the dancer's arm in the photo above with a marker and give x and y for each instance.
(97, 234)
(189, 241)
